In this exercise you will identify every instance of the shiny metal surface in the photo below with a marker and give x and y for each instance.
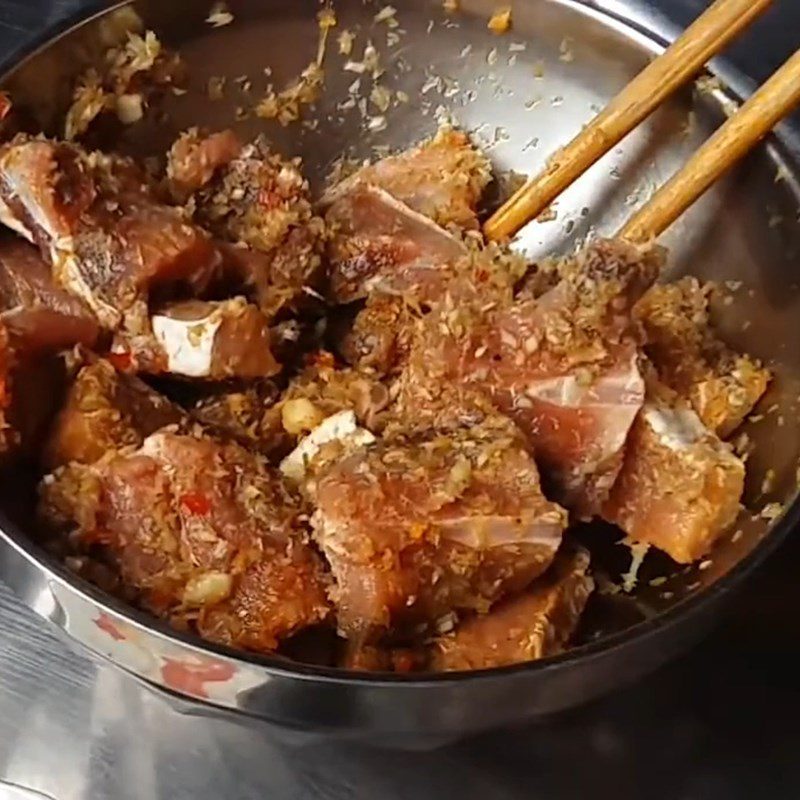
(744, 231)
(74, 730)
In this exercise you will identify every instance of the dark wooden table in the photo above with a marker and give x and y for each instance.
(723, 723)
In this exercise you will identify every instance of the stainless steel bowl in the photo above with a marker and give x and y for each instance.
(744, 232)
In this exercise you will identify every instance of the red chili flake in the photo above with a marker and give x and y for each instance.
(121, 361)
(196, 503)
(190, 678)
(269, 200)
(107, 625)
(403, 661)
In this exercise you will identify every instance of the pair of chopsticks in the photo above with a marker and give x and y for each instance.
(709, 34)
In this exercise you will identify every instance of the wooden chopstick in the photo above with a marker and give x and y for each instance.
(706, 37)
(751, 123)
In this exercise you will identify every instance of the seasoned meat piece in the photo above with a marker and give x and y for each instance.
(39, 316)
(380, 243)
(108, 240)
(254, 198)
(140, 247)
(257, 198)
(196, 339)
(239, 414)
(563, 367)
(105, 411)
(576, 422)
(380, 337)
(31, 391)
(601, 285)
(722, 386)
(286, 280)
(43, 189)
(532, 625)
(535, 624)
(206, 532)
(442, 179)
(193, 160)
(403, 264)
(274, 425)
(679, 487)
(438, 405)
(37, 320)
(417, 529)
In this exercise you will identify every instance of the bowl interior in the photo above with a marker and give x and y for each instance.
(521, 95)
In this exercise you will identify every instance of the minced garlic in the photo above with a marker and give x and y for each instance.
(345, 41)
(219, 16)
(500, 21)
